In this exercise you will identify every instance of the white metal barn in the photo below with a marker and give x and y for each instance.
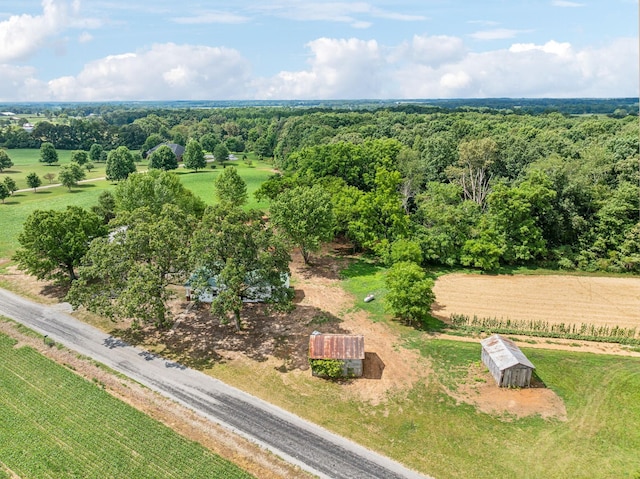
(507, 364)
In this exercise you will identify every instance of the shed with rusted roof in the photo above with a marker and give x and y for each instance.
(507, 364)
(346, 348)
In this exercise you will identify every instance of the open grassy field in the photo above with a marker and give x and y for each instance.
(17, 207)
(56, 424)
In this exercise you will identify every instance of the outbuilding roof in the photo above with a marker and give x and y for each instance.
(336, 346)
(178, 150)
(504, 352)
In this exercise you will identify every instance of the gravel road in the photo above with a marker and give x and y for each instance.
(300, 442)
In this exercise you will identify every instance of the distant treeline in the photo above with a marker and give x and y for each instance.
(474, 185)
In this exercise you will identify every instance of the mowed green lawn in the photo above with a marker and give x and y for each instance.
(17, 207)
(55, 424)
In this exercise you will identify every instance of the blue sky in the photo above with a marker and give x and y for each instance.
(100, 50)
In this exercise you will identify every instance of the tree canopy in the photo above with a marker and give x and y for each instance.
(193, 157)
(48, 153)
(163, 159)
(230, 188)
(120, 164)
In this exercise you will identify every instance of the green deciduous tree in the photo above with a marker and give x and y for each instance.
(70, 174)
(33, 180)
(10, 184)
(119, 164)
(106, 207)
(52, 243)
(305, 216)
(153, 190)
(193, 157)
(230, 187)
(243, 253)
(163, 159)
(128, 274)
(221, 154)
(95, 152)
(410, 292)
(80, 157)
(472, 170)
(48, 153)
(4, 192)
(5, 161)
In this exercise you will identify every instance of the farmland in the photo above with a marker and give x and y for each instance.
(56, 424)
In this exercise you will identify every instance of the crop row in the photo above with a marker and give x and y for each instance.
(584, 331)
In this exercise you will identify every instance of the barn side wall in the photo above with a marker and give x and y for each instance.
(516, 376)
(493, 367)
(352, 367)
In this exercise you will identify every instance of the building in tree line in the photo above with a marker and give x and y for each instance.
(507, 364)
(258, 290)
(346, 348)
(178, 150)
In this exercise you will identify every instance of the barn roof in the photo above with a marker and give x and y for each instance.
(336, 346)
(504, 352)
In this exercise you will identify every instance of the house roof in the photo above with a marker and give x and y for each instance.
(504, 352)
(336, 346)
(178, 150)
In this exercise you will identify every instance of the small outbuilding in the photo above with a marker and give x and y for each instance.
(507, 364)
(346, 348)
(178, 150)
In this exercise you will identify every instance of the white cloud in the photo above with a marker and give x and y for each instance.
(162, 72)
(23, 35)
(212, 17)
(350, 68)
(496, 34)
(566, 4)
(85, 37)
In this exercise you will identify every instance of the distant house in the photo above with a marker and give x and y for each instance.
(257, 292)
(507, 364)
(178, 150)
(346, 348)
(28, 127)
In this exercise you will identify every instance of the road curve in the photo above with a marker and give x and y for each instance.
(300, 442)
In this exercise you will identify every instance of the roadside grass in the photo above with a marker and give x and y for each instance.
(56, 424)
(428, 430)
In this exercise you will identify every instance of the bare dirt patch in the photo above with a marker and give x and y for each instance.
(508, 404)
(558, 299)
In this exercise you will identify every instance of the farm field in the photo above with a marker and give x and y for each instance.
(56, 424)
(609, 301)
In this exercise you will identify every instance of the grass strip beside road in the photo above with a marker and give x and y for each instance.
(56, 424)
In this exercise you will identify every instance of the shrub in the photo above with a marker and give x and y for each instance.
(326, 368)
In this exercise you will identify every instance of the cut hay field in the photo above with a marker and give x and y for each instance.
(601, 301)
(56, 424)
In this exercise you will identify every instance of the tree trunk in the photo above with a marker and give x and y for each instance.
(236, 317)
(305, 254)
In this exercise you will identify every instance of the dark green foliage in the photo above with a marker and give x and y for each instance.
(5, 161)
(163, 159)
(33, 180)
(52, 243)
(48, 153)
(95, 152)
(70, 174)
(230, 188)
(10, 184)
(4, 192)
(193, 157)
(221, 154)
(326, 368)
(120, 164)
(80, 157)
(410, 292)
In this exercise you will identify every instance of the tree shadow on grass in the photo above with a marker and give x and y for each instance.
(57, 290)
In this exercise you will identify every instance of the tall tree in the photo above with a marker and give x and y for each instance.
(4, 192)
(154, 189)
(80, 157)
(33, 180)
(120, 164)
(410, 292)
(163, 159)
(472, 170)
(221, 154)
(193, 157)
(231, 188)
(243, 253)
(10, 184)
(5, 161)
(95, 152)
(48, 153)
(53, 242)
(70, 174)
(128, 274)
(305, 216)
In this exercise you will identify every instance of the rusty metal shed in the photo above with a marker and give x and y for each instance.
(507, 364)
(348, 348)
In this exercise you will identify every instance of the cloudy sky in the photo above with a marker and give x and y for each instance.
(99, 50)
